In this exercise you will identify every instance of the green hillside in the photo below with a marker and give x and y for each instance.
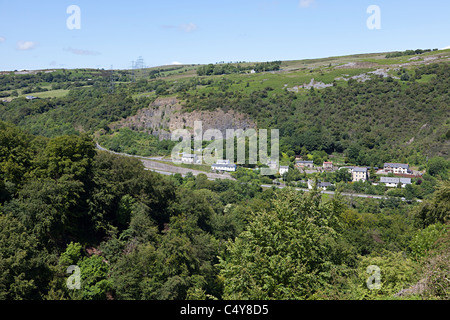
(135, 234)
(369, 108)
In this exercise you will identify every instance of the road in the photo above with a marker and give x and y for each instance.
(167, 169)
(170, 169)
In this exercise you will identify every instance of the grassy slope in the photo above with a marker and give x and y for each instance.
(299, 72)
(292, 73)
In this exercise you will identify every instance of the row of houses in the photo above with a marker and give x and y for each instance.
(362, 173)
(396, 168)
(357, 173)
(393, 182)
(224, 165)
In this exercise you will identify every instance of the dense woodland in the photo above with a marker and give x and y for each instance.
(140, 235)
(136, 234)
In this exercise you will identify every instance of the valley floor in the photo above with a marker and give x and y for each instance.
(168, 169)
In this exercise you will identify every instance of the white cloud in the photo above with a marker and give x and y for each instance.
(445, 48)
(82, 52)
(2, 39)
(26, 45)
(306, 3)
(176, 63)
(188, 27)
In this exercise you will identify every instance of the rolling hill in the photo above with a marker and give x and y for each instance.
(370, 108)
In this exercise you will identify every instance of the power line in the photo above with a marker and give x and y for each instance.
(137, 65)
(133, 79)
(111, 80)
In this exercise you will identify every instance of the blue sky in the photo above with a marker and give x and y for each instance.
(34, 34)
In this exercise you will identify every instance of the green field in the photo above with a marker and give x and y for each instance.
(48, 94)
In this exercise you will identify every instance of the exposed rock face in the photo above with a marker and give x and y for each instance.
(166, 115)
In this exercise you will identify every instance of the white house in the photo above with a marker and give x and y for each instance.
(359, 174)
(393, 182)
(230, 167)
(189, 158)
(401, 168)
(320, 185)
(272, 164)
(327, 165)
(283, 169)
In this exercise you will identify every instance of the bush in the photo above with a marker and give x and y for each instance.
(425, 239)
(396, 273)
(71, 255)
(396, 192)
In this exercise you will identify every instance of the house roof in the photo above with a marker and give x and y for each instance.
(396, 165)
(395, 180)
(357, 169)
(224, 165)
(319, 183)
(188, 155)
(324, 184)
(301, 161)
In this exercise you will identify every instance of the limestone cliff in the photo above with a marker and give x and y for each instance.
(165, 115)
